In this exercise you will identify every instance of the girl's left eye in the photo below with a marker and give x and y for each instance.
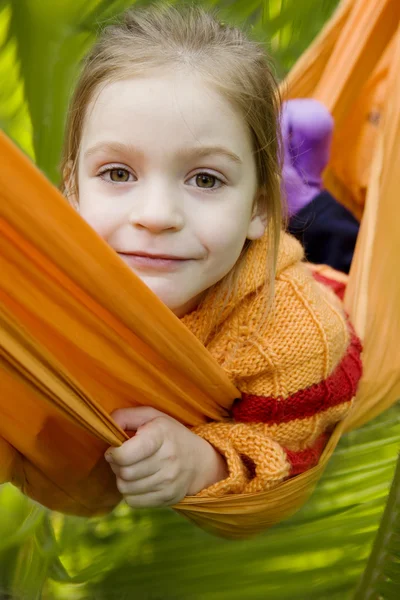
(116, 175)
(206, 181)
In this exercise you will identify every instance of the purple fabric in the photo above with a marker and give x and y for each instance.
(307, 128)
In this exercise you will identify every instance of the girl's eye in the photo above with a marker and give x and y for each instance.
(119, 175)
(206, 181)
(116, 175)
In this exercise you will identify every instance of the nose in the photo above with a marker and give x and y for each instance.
(158, 209)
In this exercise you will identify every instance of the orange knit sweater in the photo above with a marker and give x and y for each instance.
(297, 368)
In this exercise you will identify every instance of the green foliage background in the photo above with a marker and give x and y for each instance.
(43, 41)
(342, 543)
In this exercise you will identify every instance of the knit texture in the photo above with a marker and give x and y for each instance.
(297, 367)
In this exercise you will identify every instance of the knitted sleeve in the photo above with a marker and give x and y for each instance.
(294, 398)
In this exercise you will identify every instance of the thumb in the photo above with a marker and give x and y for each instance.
(130, 419)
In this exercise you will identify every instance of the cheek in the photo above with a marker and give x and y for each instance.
(225, 234)
(225, 231)
(100, 223)
(101, 214)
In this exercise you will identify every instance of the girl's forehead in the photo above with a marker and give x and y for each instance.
(176, 107)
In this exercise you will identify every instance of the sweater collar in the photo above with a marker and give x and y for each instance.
(210, 314)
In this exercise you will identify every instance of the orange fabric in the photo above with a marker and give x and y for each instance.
(373, 294)
(348, 69)
(79, 340)
(359, 83)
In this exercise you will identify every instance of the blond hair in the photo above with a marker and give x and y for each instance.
(162, 36)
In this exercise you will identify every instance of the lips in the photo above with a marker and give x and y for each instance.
(146, 262)
(152, 256)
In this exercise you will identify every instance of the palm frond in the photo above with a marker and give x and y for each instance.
(381, 577)
(43, 46)
(14, 114)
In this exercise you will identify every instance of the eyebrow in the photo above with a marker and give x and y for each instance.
(185, 153)
(203, 151)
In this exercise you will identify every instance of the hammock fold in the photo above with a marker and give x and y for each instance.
(359, 84)
(347, 68)
(81, 335)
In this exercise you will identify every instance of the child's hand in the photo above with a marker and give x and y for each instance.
(163, 462)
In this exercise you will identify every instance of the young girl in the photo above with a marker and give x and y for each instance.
(172, 156)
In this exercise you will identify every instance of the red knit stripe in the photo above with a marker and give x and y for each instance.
(306, 459)
(337, 286)
(339, 387)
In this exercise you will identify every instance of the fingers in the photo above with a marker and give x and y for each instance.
(156, 466)
(148, 480)
(130, 419)
(144, 469)
(146, 485)
(144, 444)
(151, 500)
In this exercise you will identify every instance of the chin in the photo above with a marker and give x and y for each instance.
(177, 302)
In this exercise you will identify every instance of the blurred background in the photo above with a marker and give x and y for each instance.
(336, 544)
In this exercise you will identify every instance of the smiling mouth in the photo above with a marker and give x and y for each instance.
(142, 261)
(153, 256)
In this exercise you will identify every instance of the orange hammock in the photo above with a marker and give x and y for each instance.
(80, 335)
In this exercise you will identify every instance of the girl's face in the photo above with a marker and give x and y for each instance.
(167, 177)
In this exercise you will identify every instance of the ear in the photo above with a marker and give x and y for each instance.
(258, 221)
(70, 191)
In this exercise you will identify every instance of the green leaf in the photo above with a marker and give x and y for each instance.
(47, 41)
(382, 573)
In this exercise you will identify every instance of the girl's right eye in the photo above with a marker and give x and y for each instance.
(116, 175)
